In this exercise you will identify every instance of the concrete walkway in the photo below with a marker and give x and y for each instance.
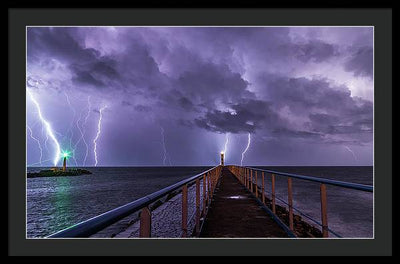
(235, 213)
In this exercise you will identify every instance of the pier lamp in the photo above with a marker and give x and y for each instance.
(222, 158)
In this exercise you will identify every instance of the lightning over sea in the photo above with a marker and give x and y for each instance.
(245, 150)
(98, 134)
(48, 128)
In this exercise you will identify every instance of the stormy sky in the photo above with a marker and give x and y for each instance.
(180, 95)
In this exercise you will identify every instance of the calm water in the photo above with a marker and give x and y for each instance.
(56, 203)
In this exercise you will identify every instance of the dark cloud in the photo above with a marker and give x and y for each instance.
(142, 108)
(99, 73)
(246, 116)
(126, 103)
(133, 69)
(211, 82)
(83, 76)
(323, 119)
(138, 107)
(300, 94)
(361, 62)
(60, 43)
(185, 103)
(287, 133)
(105, 67)
(330, 109)
(314, 51)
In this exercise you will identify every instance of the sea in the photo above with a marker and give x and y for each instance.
(55, 203)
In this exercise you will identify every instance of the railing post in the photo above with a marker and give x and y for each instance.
(263, 189)
(145, 223)
(208, 190)
(184, 210)
(256, 185)
(244, 176)
(214, 180)
(273, 192)
(290, 202)
(209, 187)
(324, 212)
(212, 183)
(197, 206)
(251, 180)
(204, 195)
(247, 178)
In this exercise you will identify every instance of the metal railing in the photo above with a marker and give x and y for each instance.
(93, 225)
(248, 177)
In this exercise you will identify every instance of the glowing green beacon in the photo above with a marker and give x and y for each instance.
(65, 155)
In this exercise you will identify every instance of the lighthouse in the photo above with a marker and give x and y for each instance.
(65, 164)
(222, 158)
(65, 156)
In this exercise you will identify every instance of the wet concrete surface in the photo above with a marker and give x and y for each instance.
(235, 213)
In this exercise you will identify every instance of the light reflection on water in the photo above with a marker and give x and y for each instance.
(59, 202)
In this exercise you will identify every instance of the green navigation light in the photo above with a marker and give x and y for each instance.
(65, 154)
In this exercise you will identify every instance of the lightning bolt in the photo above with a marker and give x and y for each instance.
(248, 145)
(70, 130)
(38, 142)
(45, 141)
(81, 132)
(84, 126)
(226, 144)
(38, 162)
(49, 130)
(98, 134)
(354, 155)
(163, 144)
(77, 125)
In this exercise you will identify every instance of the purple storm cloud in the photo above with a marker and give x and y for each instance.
(305, 94)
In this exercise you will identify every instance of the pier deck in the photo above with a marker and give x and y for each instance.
(235, 213)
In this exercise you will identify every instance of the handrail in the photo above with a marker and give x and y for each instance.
(248, 177)
(97, 223)
(304, 214)
(350, 185)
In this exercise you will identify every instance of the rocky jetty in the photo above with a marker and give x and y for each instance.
(57, 172)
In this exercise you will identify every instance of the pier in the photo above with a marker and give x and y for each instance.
(236, 213)
(230, 201)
